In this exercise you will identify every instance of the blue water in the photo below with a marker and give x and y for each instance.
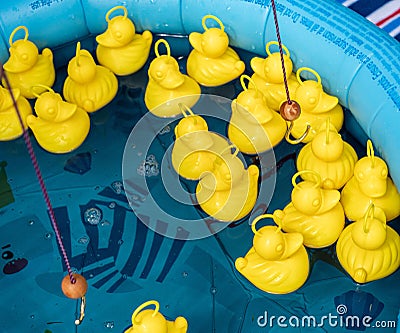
(126, 263)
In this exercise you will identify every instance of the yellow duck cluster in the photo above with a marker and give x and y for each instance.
(332, 175)
(61, 123)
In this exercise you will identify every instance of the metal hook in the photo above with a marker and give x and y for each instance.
(300, 139)
(82, 313)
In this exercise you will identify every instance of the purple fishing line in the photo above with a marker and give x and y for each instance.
(278, 35)
(40, 178)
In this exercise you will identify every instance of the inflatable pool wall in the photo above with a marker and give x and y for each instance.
(357, 61)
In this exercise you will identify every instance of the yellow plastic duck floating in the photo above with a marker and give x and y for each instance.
(278, 262)
(314, 212)
(328, 155)
(152, 321)
(26, 67)
(120, 48)
(59, 127)
(167, 86)
(368, 249)
(268, 76)
(254, 127)
(229, 192)
(316, 107)
(88, 85)
(370, 183)
(195, 149)
(10, 126)
(212, 62)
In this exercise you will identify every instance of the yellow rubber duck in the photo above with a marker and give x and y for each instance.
(195, 149)
(268, 76)
(152, 321)
(120, 48)
(10, 126)
(254, 127)
(370, 183)
(167, 86)
(316, 106)
(88, 85)
(328, 155)
(212, 62)
(59, 127)
(368, 249)
(314, 212)
(229, 192)
(26, 67)
(278, 262)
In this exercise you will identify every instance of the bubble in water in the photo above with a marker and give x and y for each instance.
(32, 316)
(135, 197)
(109, 324)
(117, 186)
(149, 167)
(48, 235)
(31, 222)
(120, 242)
(185, 274)
(84, 240)
(93, 215)
(111, 205)
(213, 290)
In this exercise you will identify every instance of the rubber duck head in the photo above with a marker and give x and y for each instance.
(252, 104)
(120, 30)
(327, 144)
(271, 67)
(193, 130)
(51, 107)
(82, 67)
(271, 243)
(213, 42)
(23, 53)
(311, 96)
(228, 169)
(309, 198)
(369, 232)
(164, 69)
(371, 173)
(148, 321)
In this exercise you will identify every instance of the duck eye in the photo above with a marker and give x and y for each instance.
(118, 34)
(361, 176)
(7, 255)
(384, 173)
(279, 248)
(228, 176)
(316, 203)
(50, 110)
(24, 56)
(312, 100)
(159, 74)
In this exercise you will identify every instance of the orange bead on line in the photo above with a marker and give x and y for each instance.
(290, 111)
(74, 290)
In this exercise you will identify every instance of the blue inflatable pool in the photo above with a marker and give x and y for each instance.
(124, 261)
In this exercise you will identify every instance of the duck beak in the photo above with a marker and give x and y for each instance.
(257, 65)
(326, 102)
(293, 242)
(65, 111)
(106, 39)
(195, 39)
(13, 65)
(330, 198)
